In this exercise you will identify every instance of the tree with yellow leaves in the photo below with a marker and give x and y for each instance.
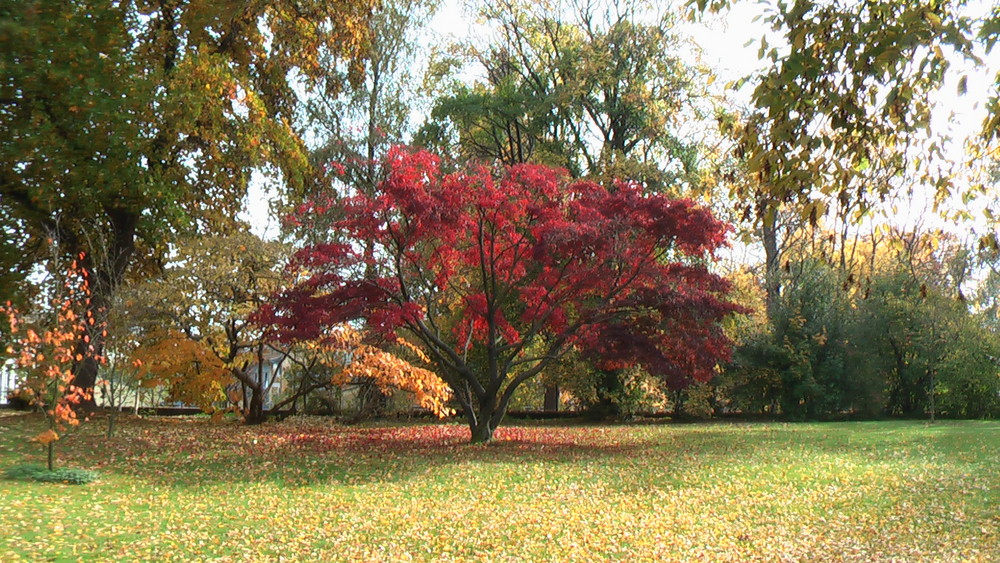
(188, 369)
(127, 125)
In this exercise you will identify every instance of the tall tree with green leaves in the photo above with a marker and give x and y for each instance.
(356, 126)
(599, 89)
(123, 124)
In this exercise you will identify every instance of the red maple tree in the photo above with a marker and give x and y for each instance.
(496, 275)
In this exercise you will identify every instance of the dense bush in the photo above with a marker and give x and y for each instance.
(834, 350)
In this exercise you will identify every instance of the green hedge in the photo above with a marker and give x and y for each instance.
(33, 472)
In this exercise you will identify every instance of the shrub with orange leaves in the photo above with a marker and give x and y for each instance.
(343, 351)
(389, 371)
(46, 349)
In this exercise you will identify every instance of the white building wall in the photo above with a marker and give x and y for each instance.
(7, 383)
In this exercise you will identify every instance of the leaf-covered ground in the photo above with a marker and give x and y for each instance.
(311, 490)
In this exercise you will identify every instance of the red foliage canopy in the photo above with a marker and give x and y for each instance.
(521, 265)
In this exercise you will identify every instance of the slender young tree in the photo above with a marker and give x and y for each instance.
(46, 353)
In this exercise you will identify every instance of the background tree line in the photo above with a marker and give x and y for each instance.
(132, 132)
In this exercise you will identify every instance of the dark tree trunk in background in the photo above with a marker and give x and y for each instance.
(551, 401)
(255, 410)
(772, 268)
(677, 401)
(252, 396)
(104, 274)
(372, 402)
(609, 389)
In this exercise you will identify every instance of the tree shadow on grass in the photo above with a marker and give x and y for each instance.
(195, 452)
(198, 453)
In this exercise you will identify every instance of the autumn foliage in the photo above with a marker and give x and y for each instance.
(353, 360)
(47, 348)
(496, 274)
(187, 368)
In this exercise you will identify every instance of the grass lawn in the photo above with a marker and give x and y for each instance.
(309, 490)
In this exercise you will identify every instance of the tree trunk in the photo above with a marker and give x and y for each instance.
(85, 373)
(105, 274)
(488, 417)
(899, 395)
(772, 268)
(932, 394)
(112, 415)
(677, 400)
(51, 454)
(255, 410)
(551, 401)
(483, 431)
(609, 386)
(372, 402)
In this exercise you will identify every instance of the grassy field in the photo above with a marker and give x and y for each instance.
(309, 490)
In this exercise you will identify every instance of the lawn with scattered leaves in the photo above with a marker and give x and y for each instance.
(308, 489)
